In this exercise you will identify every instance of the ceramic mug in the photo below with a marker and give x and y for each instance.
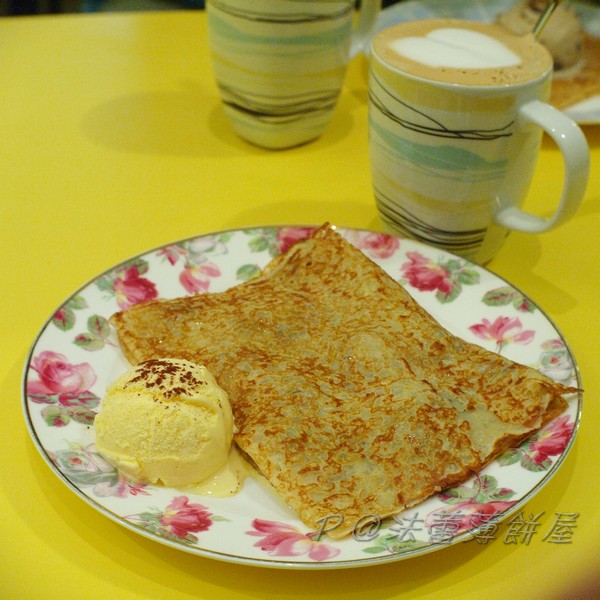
(280, 64)
(456, 116)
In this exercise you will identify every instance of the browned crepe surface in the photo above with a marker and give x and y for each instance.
(347, 395)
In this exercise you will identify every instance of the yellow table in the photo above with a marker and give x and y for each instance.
(112, 142)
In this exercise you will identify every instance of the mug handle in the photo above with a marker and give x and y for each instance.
(365, 25)
(575, 152)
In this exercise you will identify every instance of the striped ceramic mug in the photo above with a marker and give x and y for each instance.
(280, 64)
(456, 116)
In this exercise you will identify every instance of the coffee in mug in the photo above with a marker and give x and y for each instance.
(456, 114)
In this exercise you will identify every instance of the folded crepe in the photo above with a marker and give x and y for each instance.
(347, 395)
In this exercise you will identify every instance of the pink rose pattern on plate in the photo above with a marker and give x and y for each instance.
(536, 453)
(555, 361)
(64, 387)
(282, 539)
(444, 276)
(503, 331)
(374, 245)
(86, 467)
(127, 284)
(178, 521)
(198, 270)
(470, 507)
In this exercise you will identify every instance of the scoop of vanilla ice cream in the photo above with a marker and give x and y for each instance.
(165, 421)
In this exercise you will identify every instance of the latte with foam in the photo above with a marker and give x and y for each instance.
(462, 52)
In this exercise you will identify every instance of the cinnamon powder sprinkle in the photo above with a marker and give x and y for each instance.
(164, 375)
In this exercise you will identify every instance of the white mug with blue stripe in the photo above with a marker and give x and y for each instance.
(456, 115)
(280, 64)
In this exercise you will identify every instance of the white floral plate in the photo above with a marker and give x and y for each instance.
(76, 355)
(585, 112)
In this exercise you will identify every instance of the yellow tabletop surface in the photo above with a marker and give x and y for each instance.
(112, 142)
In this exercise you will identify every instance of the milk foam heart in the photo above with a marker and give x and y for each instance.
(456, 48)
(462, 52)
